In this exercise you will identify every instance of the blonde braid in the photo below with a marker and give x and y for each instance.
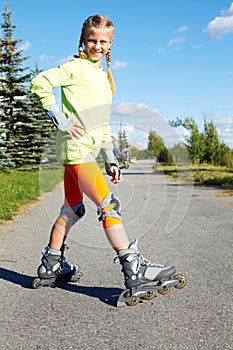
(82, 54)
(109, 72)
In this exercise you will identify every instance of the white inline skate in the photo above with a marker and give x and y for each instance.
(143, 278)
(54, 268)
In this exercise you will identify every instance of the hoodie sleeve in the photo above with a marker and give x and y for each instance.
(44, 83)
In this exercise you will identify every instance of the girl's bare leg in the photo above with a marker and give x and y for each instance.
(117, 236)
(58, 235)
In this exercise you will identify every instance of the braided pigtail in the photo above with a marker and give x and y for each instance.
(109, 72)
(82, 54)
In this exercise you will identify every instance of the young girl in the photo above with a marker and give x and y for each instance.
(83, 131)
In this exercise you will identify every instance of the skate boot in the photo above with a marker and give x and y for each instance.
(54, 268)
(143, 278)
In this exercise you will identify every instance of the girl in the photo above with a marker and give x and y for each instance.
(83, 131)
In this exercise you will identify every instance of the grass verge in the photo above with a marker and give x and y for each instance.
(18, 188)
(203, 174)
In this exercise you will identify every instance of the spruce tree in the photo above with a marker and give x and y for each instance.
(123, 139)
(13, 91)
(23, 120)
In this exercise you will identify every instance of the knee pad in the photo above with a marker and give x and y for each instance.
(70, 215)
(111, 206)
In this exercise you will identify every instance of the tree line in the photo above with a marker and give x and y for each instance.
(199, 147)
(25, 129)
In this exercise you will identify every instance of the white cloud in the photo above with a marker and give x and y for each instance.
(65, 59)
(197, 46)
(119, 65)
(183, 29)
(176, 41)
(139, 120)
(221, 25)
(43, 58)
(161, 49)
(26, 46)
(225, 130)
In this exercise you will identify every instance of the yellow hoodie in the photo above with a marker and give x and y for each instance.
(86, 94)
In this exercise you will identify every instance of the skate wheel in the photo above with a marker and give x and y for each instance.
(35, 283)
(149, 296)
(80, 275)
(164, 291)
(182, 281)
(133, 302)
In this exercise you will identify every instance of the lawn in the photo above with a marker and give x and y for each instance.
(18, 188)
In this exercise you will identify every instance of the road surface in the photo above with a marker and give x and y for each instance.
(175, 223)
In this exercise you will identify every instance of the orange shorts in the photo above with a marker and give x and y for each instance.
(86, 179)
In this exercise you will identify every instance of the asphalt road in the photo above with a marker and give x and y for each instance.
(176, 224)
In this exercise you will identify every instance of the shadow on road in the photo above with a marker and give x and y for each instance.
(106, 295)
(16, 277)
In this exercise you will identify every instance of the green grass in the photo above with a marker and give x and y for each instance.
(202, 174)
(18, 188)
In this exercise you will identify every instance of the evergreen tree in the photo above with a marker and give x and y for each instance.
(23, 120)
(12, 89)
(123, 139)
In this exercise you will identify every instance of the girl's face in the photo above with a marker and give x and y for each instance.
(97, 42)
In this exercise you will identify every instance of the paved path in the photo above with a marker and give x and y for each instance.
(191, 228)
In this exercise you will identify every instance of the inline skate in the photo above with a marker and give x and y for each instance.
(55, 269)
(143, 278)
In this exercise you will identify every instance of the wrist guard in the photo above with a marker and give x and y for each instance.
(110, 161)
(58, 118)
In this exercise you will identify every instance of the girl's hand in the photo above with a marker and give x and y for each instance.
(117, 175)
(75, 130)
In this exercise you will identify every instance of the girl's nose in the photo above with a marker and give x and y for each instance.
(97, 45)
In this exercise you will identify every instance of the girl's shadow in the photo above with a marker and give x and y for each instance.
(106, 295)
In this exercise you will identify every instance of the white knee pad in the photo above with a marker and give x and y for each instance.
(111, 206)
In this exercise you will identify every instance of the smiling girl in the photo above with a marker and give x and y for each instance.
(84, 131)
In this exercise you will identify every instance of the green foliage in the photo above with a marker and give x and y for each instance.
(158, 149)
(24, 127)
(204, 147)
(180, 154)
(155, 144)
(194, 141)
(5, 161)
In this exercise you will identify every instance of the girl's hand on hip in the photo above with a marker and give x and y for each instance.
(75, 130)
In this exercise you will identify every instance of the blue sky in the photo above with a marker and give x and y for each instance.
(169, 57)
